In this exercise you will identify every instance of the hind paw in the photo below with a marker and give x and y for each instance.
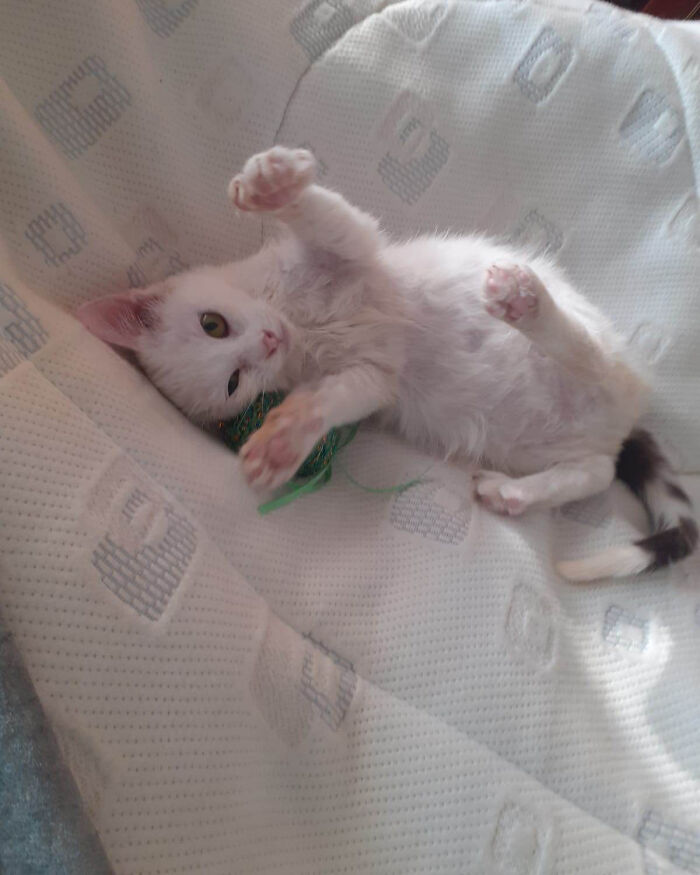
(499, 493)
(512, 293)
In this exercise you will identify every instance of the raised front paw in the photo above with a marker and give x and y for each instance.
(512, 293)
(275, 452)
(272, 179)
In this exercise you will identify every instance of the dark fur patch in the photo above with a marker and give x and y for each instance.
(639, 461)
(658, 523)
(671, 545)
(677, 492)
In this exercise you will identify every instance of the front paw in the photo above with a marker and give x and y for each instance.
(273, 179)
(276, 451)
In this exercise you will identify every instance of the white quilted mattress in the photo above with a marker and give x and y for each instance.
(357, 683)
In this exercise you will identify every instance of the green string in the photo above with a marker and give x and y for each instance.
(292, 492)
(401, 487)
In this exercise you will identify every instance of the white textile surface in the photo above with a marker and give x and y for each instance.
(357, 683)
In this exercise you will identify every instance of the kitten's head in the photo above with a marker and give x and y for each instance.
(207, 345)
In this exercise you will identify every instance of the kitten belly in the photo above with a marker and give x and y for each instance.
(474, 387)
(504, 404)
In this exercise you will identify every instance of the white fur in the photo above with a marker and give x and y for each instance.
(619, 561)
(563, 482)
(467, 348)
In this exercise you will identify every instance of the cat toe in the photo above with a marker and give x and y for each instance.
(498, 493)
(511, 293)
(275, 452)
(273, 179)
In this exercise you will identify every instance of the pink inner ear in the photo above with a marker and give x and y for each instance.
(120, 319)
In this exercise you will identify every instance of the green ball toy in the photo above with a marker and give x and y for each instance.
(236, 432)
(315, 470)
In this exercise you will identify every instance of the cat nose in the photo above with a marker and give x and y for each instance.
(270, 343)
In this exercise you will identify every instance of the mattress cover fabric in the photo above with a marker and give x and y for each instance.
(355, 683)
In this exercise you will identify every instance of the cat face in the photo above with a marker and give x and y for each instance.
(209, 346)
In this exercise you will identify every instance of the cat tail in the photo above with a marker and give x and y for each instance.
(674, 533)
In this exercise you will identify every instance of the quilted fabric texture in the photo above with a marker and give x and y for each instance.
(355, 683)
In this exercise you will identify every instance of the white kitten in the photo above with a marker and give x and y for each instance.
(469, 349)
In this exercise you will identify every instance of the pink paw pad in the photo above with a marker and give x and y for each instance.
(275, 451)
(498, 493)
(511, 293)
(272, 179)
(514, 506)
(280, 453)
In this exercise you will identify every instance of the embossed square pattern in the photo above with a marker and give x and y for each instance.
(357, 683)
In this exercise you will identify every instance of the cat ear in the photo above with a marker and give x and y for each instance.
(121, 319)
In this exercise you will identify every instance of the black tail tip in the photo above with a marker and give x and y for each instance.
(671, 545)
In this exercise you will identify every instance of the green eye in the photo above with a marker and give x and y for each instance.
(214, 324)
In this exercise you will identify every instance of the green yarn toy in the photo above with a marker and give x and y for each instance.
(316, 467)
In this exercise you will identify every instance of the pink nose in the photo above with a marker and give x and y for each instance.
(270, 343)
